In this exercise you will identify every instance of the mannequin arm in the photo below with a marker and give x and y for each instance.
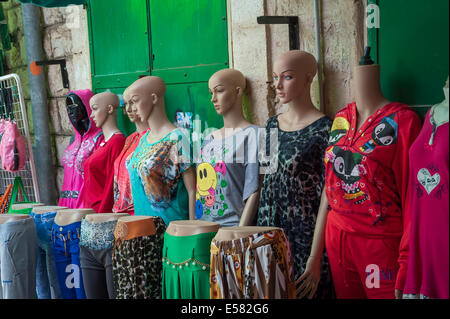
(250, 210)
(189, 183)
(311, 276)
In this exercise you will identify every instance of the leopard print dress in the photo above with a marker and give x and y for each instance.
(290, 197)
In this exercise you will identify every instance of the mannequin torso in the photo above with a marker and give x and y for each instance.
(46, 209)
(232, 233)
(191, 227)
(368, 95)
(106, 217)
(147, 98)
(69, 216)
(25, 206)
(12, 217)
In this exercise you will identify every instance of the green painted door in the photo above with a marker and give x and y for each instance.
(119, 47)
(182, 41)
(189, 43)
(412, 45)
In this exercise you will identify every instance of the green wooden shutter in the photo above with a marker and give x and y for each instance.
(189, 44)
(119, 47)
(413, 50)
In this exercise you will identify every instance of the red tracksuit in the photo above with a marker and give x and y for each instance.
(366, 184)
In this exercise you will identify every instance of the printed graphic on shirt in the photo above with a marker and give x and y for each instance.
(384, 134)
(429, 180)
(348, 168)
(338, 130)
(210, 187)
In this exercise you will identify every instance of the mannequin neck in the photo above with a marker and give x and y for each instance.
(301, 106)
(368, 94)
(158, 120)
(110, 127)
(234, 118)
(141, 126)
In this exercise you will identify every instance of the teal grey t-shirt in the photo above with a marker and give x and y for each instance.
(227, 176)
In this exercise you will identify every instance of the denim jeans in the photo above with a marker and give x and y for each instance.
(18, 259)
(47, 286)
(96, 245)
(66, 249)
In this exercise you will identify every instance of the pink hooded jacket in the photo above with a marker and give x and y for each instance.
(76, 154)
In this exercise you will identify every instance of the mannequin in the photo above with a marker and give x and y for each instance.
(191, 227)
(251, 263)
(86, 140)
(103, 218)
(375, 137)
(96, 247)
(19, 247)
(167, 191)
(186, 259)
(98, 193)
(69, 216)
(39, 210)
(229, 155)
(47, 286)
(123, 198)
(12, 217)
(290, 197)
(136, 259)
(65, 235)
(232, 233)
(428, 204)
(19, 207)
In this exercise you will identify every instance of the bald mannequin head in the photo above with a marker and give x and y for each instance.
(227, 87)
(293, 74)
(144, 94)
(104, 106)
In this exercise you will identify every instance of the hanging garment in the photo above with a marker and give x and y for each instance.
(123, 198)
(96, 245)
(75, 155)
(18, 259)
(366, 180)
(12, 147)
(428, 265)
(186, 266)
(136, 260)
(290, 197)
(255, 267)
(98, 191)
(227, 176)
(156, 177)
(66, 250)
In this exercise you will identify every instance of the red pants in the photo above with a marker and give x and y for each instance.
(362, 267)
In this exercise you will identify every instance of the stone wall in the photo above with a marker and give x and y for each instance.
(65, 36)
(253, 48)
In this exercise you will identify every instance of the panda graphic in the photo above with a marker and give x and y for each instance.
(384, 134)
(347, 167)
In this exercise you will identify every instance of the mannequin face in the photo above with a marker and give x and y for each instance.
(293, 74)
(223, 94)
(100, 111)
(129, 109)
(289, 82)
(77, 113)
